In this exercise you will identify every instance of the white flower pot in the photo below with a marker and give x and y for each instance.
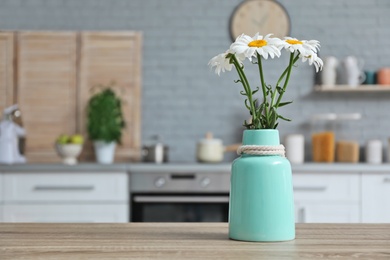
(104, 151)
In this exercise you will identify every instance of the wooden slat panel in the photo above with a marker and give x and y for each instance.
(46, 74)
(6, 69)
(113, 57)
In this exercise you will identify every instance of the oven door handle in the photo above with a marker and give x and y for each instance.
(178, 199)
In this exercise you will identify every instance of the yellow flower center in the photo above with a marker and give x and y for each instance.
(257, 43)
(294, 42)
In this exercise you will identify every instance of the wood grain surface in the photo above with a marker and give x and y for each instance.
(188, 241)
(46, 90)
(6, 70)
(112, 57)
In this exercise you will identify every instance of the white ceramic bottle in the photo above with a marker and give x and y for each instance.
(374, 152)
(353, 71)
(329, 71)
(295, 148)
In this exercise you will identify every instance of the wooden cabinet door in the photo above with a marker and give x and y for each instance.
(46, 89)
(6, 70)
(112, 57)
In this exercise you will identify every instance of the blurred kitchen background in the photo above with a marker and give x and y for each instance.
(157, 51)
(182, 99)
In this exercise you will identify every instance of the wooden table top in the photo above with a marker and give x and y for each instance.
(187, 241)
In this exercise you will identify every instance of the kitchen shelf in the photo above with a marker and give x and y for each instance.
(346, 88)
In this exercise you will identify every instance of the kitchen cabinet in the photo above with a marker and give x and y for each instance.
(323, 212)
(6, 69)
(65, 197)
(376, 197)
(112, 57)
(327, 197)
(52, 75)
(109, 213)
(46, 89)
(1, 197)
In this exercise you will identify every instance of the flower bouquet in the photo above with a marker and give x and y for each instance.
(261, 205)
(256, 49)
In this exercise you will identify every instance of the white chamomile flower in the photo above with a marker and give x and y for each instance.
(313, 58)
(304, 47)
(314, 45)
(222, 64)
(264, 46)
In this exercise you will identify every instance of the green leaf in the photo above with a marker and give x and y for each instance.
(283, 118)
(246, 104)
(284, 103)
(280, 90)
(276, 125)
(259, 110)
(105, 119)
(255, 102)
(254, 91)
(273, 116)
(247, 125)
(243, 93)
(237, 81)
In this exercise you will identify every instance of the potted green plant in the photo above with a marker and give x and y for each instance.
(105, 124)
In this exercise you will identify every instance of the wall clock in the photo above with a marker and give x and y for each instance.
(263, 16)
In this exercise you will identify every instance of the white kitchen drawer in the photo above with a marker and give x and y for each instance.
(326, 187)
(67, 213)
(1, 188)
(376, 198)
(320, 212)
(65, 187)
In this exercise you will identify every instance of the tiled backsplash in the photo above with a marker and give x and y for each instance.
(183, 99)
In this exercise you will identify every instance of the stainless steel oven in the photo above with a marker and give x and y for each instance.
(179, 196)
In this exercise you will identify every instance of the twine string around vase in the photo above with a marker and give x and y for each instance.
(262, 150)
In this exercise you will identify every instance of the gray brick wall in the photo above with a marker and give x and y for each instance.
(183, 99)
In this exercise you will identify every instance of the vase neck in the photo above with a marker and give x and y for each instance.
(261, 137)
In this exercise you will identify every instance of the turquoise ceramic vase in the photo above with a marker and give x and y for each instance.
(261, 206)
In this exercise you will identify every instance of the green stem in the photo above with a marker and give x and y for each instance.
(290, 65)
(246, 86)
(261, 75)
(259, 63)
(286, 70)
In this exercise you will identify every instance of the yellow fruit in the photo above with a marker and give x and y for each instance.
(63, 139)
(76, 139)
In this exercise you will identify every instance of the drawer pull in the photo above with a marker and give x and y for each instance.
(386, 179)
(64, 188)
(309, 188)
(176, 199)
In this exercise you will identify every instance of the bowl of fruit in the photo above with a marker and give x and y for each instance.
(69, 147)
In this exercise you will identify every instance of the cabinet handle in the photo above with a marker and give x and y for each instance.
(387, 179)
(302, 215)
(64, 188)
(309, 188)
(176, 199)
(183, 176)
